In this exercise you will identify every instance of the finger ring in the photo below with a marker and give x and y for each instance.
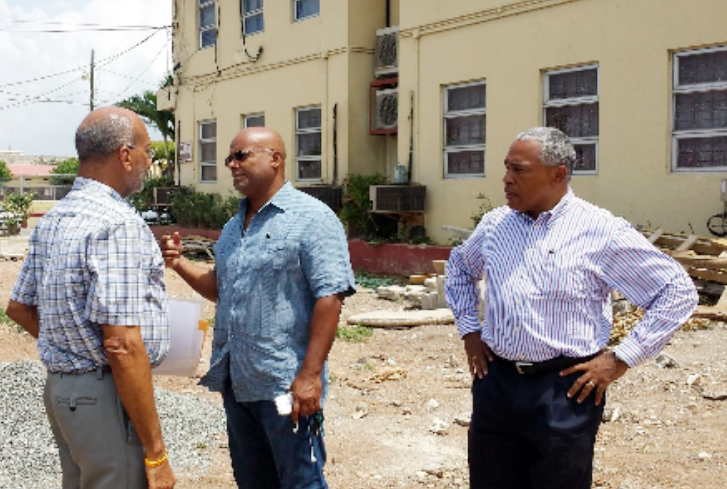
(591, 384)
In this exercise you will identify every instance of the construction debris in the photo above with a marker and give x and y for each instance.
(198, 245)
(402, 319)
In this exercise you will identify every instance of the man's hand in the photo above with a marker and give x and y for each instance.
(598, 374)
(171, 247)
(160, 477)
(306, 391)
(478, 354)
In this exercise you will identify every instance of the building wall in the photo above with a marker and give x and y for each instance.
(631, 41)
(326, 61)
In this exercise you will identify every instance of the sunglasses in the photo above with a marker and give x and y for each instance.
(240, 156)
(150, 152)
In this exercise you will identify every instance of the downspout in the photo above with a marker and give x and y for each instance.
(388, 13)
(411, 139)
(335, 144)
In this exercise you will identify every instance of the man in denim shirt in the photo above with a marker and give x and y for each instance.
(281, 272)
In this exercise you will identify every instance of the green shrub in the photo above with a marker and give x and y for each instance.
(202, 210)
(143, 199)
(361, 223)
(66, 171)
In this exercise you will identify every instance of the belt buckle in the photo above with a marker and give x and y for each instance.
(519, 367)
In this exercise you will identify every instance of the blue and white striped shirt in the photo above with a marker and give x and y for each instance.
(549, 281)
(93, 261)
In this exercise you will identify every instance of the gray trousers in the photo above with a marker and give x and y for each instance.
(97, 444)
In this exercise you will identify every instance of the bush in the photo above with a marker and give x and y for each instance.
(17, 210)
(5, 174)
(143, 199)
(355, 213)
(66, 167)
(202, 210)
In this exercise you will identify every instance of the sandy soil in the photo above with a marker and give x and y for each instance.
(387, 392)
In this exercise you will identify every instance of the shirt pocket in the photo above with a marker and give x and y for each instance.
(563, 277)
(283, 254)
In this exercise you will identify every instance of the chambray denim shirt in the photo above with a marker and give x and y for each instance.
(268, 279)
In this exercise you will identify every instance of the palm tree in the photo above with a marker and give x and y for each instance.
(145, 105)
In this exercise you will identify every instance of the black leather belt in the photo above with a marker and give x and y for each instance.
(552, 365)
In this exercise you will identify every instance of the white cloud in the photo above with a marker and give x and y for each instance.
(48, 128)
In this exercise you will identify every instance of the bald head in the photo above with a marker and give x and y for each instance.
(105, 130)
(260, 138)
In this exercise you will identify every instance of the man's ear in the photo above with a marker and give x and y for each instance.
(561, 174)
(276, 160)
(125, 157)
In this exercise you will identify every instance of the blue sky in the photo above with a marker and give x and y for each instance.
(39, 117)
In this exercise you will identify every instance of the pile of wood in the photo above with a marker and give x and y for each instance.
(705, 260)
(198, 247)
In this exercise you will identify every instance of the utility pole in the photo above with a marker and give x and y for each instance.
(91, 79)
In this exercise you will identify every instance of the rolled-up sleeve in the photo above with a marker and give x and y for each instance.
(653, 281)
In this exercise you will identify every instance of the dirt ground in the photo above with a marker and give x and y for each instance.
(390, 390)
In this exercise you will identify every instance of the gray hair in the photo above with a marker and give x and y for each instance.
(103, 136)
(556, 148)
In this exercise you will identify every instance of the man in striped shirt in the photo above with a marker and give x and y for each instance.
(540, 370)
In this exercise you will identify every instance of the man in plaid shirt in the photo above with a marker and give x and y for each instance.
(92, 292)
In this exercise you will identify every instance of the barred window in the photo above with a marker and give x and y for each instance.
(207, 23)
(308, 143)
(303, 9)
(571, 105)
(254, 120)
(208, 151)
(464, 130)
(699, 108)
(252, 17)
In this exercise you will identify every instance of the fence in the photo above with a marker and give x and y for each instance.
(45, 188)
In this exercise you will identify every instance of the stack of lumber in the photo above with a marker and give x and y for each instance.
(703, 258)
(198, 245)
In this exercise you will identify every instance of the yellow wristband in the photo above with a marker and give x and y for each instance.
(156, 463)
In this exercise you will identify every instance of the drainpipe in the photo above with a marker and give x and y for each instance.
(335, 144)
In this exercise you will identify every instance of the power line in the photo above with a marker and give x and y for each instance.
(145, 69)
(84, 24)
(87, 29)
(103, 62)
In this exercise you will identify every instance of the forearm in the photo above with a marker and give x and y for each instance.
(26, 316)
(324, 323)
(462, 292)
(132, 374)
(201, 279)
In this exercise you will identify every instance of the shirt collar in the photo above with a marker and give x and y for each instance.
(282, 199)
(553, 214)
(91, 185)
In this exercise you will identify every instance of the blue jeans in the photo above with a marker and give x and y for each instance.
(266, 453)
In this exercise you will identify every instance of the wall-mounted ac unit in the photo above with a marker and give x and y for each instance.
(397, 198)
(328, 194)
(163, 195)
(167, 99)
(385, 111)
(387, 52)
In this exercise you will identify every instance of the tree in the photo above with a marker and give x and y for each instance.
(5, 174)
(145, 106)
(66, 167)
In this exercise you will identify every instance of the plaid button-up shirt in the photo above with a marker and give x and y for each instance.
(93, 261)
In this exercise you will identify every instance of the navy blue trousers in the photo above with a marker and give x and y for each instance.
(526, 434)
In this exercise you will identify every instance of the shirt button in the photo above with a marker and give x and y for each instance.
(517, 329)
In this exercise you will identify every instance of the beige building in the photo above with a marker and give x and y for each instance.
(639, 85)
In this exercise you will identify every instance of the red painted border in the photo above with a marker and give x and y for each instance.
(384, 259)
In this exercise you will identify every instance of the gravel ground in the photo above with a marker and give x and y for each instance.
(28, 455)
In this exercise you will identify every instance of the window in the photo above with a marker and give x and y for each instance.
(464, 130)
(699, 125)
(252, 17)
(253, 120)
(302, 9)
(207, 24)
(571, 105)
(208, 151)
(308, 143)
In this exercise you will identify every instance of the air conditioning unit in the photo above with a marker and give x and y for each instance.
(167, 99)
(387, 52)
(163, 195)
(385, 111)
(328, 194)
(397, 198)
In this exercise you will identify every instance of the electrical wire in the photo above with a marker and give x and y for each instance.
(145, 69)
(84, 24)
(102, 63)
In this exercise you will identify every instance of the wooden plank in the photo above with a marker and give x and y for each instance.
(710, 313)
(655, 236)
(699, 261)
(708, 275)
(688, 243)
(722, 302)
